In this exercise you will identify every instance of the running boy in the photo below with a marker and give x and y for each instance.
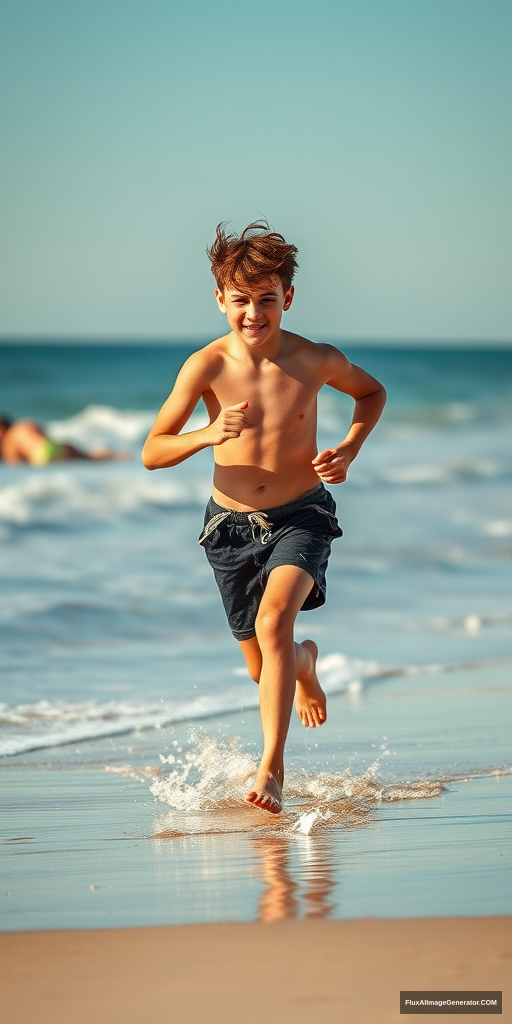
(270, 522)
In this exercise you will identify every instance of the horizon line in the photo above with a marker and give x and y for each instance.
(170, 341)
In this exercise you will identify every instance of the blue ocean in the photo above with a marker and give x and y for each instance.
(115, 647)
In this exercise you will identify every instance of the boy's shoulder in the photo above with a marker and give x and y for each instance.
(212, 352)
(208, 358)
(315, 349)
(317, 355)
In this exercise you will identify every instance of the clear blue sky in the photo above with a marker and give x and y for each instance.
(375, 134)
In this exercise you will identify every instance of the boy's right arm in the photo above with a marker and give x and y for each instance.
(165, 446)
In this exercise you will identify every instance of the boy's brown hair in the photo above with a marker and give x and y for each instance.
(252, 257)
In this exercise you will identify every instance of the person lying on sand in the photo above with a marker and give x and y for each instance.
(270, 522)
(26, 441)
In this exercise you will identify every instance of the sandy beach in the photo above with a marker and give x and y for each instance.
(329, 970)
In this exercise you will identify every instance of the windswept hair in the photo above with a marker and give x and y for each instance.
(252, 257)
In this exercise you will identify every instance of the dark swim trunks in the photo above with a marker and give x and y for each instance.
(243, 548)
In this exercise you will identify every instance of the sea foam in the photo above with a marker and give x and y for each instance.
(25, 727)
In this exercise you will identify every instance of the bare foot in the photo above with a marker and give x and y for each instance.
(267, 793)
(310, 699)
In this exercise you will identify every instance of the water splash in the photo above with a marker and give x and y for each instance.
(206, 791)
(212, 774)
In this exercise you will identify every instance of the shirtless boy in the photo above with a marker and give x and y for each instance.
(270, 522)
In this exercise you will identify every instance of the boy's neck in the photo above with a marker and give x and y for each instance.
(269, 349)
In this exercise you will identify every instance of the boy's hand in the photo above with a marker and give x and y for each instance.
(332, 464)
(229, 423)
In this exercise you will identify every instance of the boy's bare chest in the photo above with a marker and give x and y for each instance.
(273, 397)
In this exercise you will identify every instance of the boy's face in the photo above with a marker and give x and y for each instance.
(254, 311)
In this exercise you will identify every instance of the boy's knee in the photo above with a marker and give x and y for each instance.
(273, 626)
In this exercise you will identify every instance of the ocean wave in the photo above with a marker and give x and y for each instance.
(46, 724)
(442, 472)
(62, 497)
(104, 425)
(498, 528)
(26, 727)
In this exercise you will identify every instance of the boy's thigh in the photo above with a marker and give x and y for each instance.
(306, 550)
(286, 590)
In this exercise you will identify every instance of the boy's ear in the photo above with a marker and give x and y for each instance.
(288, 299)
(220, 300)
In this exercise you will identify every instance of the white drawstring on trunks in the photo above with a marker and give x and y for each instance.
(213, 524)
(255, 520)
(260, 519)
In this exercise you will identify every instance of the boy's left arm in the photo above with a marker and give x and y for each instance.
(370, 398)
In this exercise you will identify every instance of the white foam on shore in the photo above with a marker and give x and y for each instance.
(25, 727)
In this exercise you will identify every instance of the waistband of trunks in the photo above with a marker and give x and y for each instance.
(278, 512)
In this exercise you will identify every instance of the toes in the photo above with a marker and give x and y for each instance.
(318, 714)
(265, 802)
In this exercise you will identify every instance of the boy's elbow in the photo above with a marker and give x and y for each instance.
(147, 461)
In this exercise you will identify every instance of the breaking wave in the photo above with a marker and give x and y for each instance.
(64, 497)
(102, 424)
(45, 724)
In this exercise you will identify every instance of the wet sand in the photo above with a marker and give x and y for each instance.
(332, 971)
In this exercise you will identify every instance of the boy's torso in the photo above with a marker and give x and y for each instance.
(270, 463)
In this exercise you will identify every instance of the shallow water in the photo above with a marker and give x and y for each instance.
(152, 828)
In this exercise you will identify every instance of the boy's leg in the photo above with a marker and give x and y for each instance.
(285, 593)
(310, 702)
